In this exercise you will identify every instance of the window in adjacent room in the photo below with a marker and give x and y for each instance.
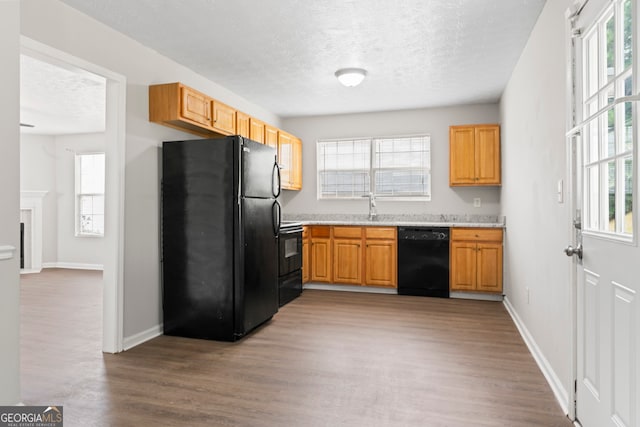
(90, 194)
(397, 167)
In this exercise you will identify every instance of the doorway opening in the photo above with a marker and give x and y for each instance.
(113, 140)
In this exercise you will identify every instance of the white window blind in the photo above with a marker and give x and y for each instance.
(90, 194)
(385, 166)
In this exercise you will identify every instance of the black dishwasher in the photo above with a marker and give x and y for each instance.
(423, 261)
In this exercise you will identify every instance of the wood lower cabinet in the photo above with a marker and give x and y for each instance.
(362, 256)
(321, 260)
(347, 255)
(474, 155)
(306, 255)
(381, 249)
(476, 260)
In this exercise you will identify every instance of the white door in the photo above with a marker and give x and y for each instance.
(608, 273)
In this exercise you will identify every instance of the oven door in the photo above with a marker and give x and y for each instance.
(290, 247)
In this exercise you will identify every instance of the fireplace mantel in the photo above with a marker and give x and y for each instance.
(32, 201)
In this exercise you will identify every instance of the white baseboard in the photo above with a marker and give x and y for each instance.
(140, 337)
(562, 396)
(29, 271)
(73, 265)
(349, 288)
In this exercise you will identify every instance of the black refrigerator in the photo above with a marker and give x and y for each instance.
(220, 222)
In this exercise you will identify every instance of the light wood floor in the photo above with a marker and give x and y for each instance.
(326, 359)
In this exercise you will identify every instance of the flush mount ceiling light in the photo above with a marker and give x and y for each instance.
(351, 77)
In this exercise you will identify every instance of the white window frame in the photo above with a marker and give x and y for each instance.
(596, 102)
(79, 195)
(369, 168)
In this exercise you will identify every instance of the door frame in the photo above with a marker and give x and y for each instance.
(113, 272)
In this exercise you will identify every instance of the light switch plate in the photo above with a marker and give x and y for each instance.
(560, 191)
(477, 202)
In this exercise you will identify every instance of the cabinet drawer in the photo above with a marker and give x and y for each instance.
(320, 231)
(347, 232)
(305, 232)
(477, 234)
(380, 232)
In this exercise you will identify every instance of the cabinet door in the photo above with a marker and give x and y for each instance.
(195, 106)
(462, 155)
(463, 266)
(271, 136)
(380, 263)
(284, 158)
(256, 130)
(306, 260)
(489, 264)
(296, 164)
(321, 260)
(487, 155)
(224, 118)
(347, 261)
(242, 124)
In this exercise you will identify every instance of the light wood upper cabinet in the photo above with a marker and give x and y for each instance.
(295, 176)
(184, 108)
(181, 107)
(474, 155)
(271, 136)
(284, 158)
(242, 124)
(195, 106)
(256, 130)
(290, 161)
(224, 118)
(476, 260)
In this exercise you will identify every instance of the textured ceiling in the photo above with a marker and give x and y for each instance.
(58, 100)
(282, 54)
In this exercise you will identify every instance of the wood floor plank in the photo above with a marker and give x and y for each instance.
(326, 359)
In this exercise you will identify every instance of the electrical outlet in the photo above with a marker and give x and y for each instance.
(477, 202)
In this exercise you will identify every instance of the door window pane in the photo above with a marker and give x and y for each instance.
(628, 195)
(611, 199)
(609, 139)
(627, 39)
(610, 47)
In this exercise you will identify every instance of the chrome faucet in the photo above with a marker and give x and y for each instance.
(373, 212)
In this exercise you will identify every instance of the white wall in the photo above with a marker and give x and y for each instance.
(534, 159)
(57, 25)
(88, 251)
(435, 121)
(10, 201)
(48, 164)
(38, 173)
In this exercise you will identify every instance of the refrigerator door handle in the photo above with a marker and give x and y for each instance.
(276, 217)
(276, 174)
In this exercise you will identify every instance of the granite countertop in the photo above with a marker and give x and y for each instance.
(418, 220)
